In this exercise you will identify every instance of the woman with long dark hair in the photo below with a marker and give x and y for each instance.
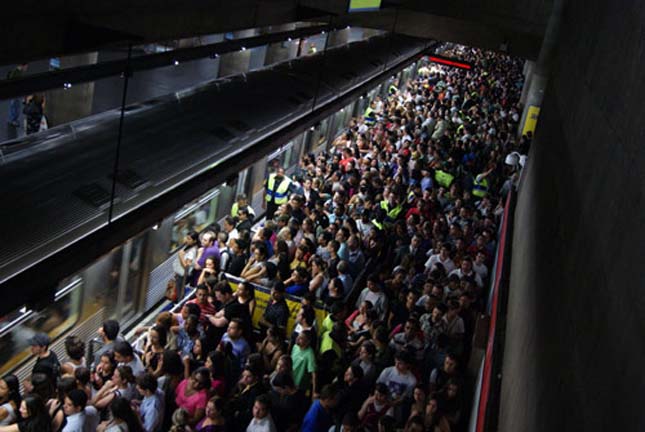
(157, 339)
(35, 417)
(10, 399)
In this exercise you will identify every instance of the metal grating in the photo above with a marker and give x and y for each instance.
(85, 331)
(130, 179)
(158, 280)
(94, 195)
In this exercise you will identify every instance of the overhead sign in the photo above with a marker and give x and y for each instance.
(447, 61)
(364, 5)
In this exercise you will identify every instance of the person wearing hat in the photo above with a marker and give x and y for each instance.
(46, 359)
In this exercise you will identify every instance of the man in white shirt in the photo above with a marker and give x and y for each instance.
(466, 270)
(262, 420)
(443, 258)
(479, 265)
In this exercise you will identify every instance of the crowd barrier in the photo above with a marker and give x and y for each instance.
(263, 297)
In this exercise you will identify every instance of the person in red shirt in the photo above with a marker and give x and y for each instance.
(205, 306)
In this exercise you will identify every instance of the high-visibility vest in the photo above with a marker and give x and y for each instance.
(443, 178)
(234, 209)
(377, 224)
(369, 115)
(391, 213)
(392, 89)
(480, 187)
(279, 195)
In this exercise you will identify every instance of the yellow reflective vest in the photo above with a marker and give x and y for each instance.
(443, 178)
(480, 187)
(279, 194)
(392, 213)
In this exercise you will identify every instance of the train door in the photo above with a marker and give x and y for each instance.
(129, 279)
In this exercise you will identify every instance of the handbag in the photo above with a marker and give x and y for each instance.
(43, 124)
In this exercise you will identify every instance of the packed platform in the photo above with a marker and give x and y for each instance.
(351, 306)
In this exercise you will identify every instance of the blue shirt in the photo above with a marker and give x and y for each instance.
(297, 290)
(152, 410)
(269, 246)
(241, 348)
(426, 183)
(317, 419)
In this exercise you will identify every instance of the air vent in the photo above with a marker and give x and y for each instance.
(94, 195)
(239, 125)
(223, 133)
(130, 179)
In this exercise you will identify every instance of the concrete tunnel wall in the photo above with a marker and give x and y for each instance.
(575, 340)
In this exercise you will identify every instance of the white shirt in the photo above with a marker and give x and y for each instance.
(448, 264)
(262, 425)
(83, 421)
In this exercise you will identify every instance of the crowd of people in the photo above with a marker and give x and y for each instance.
(392, 232)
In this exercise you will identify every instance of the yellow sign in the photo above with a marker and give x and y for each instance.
(263, 297)
(531, 119)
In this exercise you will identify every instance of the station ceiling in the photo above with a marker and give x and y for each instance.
(34, 29)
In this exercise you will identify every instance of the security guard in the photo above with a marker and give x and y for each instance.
(443, 178)
(370, 114)
(392, 207)
(242, 202)
(277, 191)
(480, 184)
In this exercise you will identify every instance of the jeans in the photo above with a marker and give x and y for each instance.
(14, 110)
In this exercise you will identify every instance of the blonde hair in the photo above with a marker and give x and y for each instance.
(180, 420)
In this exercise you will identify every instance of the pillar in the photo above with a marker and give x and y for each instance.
(533, 93)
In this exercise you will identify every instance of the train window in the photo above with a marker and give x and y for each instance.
(195, 216)
(18, 327)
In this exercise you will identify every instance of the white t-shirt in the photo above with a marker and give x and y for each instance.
(399, 384)
(448, 264)
(263, 425)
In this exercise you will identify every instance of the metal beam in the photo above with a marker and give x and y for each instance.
(56, 79)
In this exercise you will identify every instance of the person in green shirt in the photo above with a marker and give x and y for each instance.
(304, 362)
